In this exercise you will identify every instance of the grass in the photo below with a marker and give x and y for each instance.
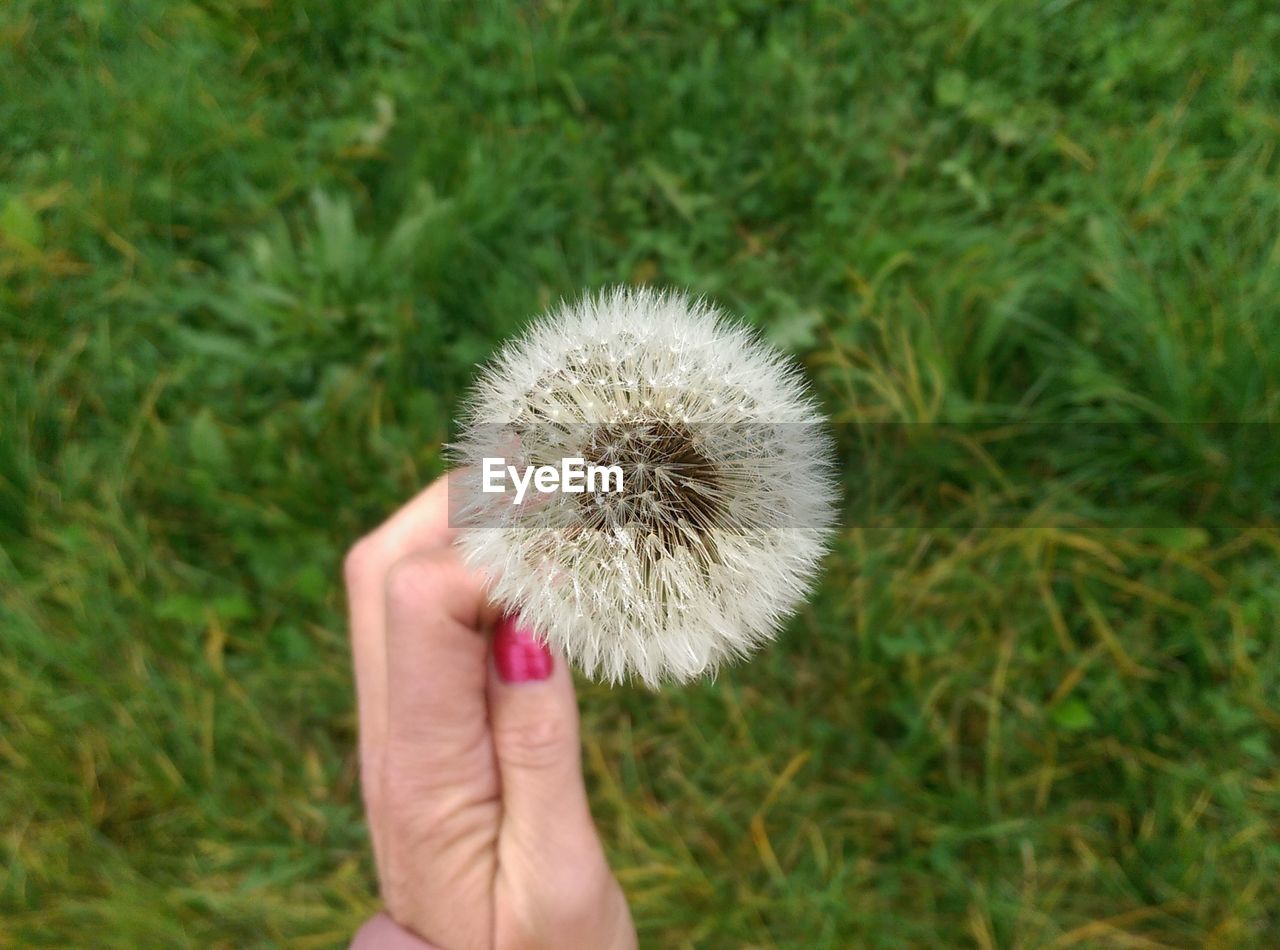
(250, 252)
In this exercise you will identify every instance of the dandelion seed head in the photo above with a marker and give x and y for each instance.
(729, 490)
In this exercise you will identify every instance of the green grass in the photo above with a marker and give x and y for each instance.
(250, 252)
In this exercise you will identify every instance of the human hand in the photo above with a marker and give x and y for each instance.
(471, 769)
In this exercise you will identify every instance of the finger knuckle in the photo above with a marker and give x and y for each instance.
(535, 743)
(408, 808)
(412, 584)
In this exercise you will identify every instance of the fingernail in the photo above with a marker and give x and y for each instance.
(517, 654)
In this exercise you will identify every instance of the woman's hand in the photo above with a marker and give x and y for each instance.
(471, 769)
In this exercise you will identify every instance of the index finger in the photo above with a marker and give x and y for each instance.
(422, 524)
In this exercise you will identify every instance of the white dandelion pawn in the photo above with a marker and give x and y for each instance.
(728, 488)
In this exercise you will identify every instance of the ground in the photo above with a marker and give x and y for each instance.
(252, 250)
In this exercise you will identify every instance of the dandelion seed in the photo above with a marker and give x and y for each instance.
(728, 485)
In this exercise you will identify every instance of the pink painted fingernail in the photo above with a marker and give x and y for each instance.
(518, 655)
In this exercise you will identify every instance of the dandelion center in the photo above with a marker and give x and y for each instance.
(675, 493)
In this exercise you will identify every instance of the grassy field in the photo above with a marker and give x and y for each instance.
(251, 251)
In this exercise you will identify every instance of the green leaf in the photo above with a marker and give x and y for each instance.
(312, 582)
(951, 88)
(232, 607)
(796, 330)
(184, 608)
(1184, 539)
(1074, 716)
(20, 223)
(205, 441)
(908, 641)
(1256, 747)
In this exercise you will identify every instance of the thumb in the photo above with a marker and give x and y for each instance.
(534, 718)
